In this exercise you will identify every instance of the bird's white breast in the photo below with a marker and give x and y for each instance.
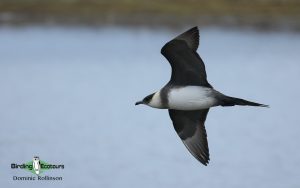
(36, 164)
(191, 98)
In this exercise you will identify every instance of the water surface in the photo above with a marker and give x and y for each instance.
(68, 94)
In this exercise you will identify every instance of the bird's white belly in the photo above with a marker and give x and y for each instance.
(191, 98)
(36, 165)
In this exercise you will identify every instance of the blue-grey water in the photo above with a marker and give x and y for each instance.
(68, 94)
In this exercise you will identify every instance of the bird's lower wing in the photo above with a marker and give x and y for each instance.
(189, 126)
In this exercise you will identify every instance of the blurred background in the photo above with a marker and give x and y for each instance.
(263, 14)
(71, 71)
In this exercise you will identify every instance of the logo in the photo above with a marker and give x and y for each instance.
(37, 167)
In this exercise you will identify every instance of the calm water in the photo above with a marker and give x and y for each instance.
(68, 94)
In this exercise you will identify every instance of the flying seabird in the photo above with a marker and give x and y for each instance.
(188, 95)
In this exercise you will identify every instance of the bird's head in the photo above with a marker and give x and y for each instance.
(35, 158)
(146, 101)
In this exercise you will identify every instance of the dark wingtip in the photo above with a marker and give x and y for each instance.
(205, 163)
(191, 37)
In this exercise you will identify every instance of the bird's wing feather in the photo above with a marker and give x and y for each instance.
(191, 37)
(187, 66)
(189, 126)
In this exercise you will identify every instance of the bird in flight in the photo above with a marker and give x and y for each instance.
(188, 95)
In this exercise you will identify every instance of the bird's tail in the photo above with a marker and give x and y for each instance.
(231, 101)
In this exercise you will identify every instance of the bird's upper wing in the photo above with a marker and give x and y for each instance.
(187, 66)
(189, 126)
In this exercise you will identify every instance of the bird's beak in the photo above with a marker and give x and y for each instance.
(139, 102)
